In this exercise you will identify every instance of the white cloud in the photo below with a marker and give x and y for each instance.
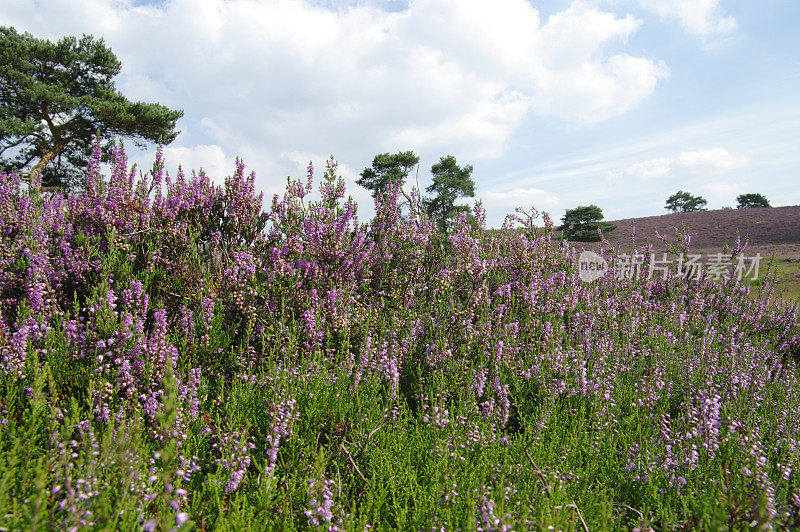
(572, 79)
(442, 76)
(652, 169)
(716, 158)
(210, 158)
(502, 203)
(702, 18)
(724, 189)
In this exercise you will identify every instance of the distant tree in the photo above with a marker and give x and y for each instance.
(581, 224)
(387, 169)
(747, 201)
(450, 182)
(55, 98)
(684, 202)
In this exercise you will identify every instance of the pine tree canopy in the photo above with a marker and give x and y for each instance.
(56, 98)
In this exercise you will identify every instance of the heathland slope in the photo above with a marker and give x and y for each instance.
(772, 232)
(772, 226)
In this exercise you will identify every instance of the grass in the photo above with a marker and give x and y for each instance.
(786, 281)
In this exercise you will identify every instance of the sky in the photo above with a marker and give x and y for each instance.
(555, 104)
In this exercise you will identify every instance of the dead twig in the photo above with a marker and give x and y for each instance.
(634, 510)
(370, 435)
(537, 470)
(339, 481)
(140, 231)
(573, 505)
(410, 203)
(350, 457)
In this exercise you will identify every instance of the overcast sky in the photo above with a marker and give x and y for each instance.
(617, 103)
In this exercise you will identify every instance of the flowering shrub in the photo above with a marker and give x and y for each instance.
(173, 354)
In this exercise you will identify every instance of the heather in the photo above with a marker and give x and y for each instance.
(176, 355)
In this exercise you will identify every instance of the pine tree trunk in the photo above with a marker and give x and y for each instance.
(48, 156)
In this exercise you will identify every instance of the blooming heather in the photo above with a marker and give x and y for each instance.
(294, 367)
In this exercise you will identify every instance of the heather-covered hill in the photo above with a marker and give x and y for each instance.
(770, 226)
(772, 232)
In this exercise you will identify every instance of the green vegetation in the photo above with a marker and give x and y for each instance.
(387, 170)
(684, 202)
(174, 357)
(581, 224)
(783, 273)
(748, 201)
(56, 97)
(179, 365)
(450, 182)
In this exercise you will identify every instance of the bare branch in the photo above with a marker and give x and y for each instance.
(134, 233)
(28, 160)
(573, 505)
(23, 138)
(372, 433)
(20, 141)
(350, 457)
(539, 472)
(634, 510)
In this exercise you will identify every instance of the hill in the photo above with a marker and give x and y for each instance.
(771, 231)
(769, 226)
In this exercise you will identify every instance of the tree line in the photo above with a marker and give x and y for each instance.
(683, 201)
(450, 182)
(56, 98)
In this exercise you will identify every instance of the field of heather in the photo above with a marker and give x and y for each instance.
(176, 356)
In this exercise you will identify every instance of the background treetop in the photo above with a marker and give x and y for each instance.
(55, 98)
(747, 201)
(581, 224)
(450, 182)
(683, 201)
(387, 169)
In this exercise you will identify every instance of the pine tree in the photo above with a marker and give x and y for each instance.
(55, 98)
(450, 182)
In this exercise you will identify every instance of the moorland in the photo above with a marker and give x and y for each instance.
(176, 355)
